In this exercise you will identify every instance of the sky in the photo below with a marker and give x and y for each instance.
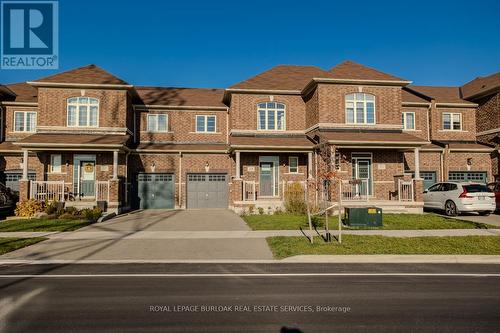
(219, 43)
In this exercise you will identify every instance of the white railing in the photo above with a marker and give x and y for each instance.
(249, 191)
(405, 190)
(47, 190)
(102, 190)
(354, 190)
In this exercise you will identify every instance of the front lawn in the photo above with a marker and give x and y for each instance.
(390, 222)
(12, 244)
(43, 225)
(283, 247)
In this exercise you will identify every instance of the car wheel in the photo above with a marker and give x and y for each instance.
(450, 208)
(484, 213)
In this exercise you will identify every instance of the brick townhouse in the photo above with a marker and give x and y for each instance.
(85, 136)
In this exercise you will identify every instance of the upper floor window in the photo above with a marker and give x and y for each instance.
(157, 123)
(452, 121)
(271, 116)
(24, 121)
(360, 108)
(205, 124)
(409, 120)
(83, 112)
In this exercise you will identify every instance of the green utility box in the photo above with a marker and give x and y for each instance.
(363, 217)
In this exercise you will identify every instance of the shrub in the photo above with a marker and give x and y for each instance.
(278, 211)
(28, 208)
(295, 199)
(261, 211)
(51, 207)
(67, 216)
(91, 214)
(72, 211)
(251, 209)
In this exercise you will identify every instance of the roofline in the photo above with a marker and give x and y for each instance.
(270, 147)
(460, 105)
(485, 150)
(138, 151)
(365, 81)
(275, 91)
(487, 92)
(69, 145)
(416, 103)
(13, 103)
(78, 85)
(358, 143)
(180, 107)
(343, 126)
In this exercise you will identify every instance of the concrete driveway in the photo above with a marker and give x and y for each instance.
(493, 219)
(124, 246)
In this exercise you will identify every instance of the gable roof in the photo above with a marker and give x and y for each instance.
(350, 70)
(441, 94)
(22, 92)
(180, 96)
(283, 77)
(481, 85)
(90, 74)
(413, 96)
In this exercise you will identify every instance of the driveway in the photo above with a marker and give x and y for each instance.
(493, 219)
(125, 247)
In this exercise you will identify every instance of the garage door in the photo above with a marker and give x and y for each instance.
(207, 190)
(468, 176)
(428, 177)
(11, 179)
(155, 190)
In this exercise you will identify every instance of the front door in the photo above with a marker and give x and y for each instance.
(362, 169)
(87, 178)
(266, 179)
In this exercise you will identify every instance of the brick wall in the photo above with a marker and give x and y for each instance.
(182, 127)
(421, 128)
(10, 135)
(468, 132)
(243, 111)
(488, 113)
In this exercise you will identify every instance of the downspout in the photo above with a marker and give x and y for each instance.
(127, 185)
(429, 123)
(180, 180)
(2, 116)
(441, 166)
(227, 125)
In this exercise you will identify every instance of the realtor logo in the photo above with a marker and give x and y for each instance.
(30, 35)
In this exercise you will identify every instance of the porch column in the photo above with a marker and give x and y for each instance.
(115, 164)
(417, 163)
(25, 164)
(238, 165)
(309, 164)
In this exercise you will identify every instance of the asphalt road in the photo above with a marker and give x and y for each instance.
(250, 298)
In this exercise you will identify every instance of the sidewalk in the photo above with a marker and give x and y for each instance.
(100, 235)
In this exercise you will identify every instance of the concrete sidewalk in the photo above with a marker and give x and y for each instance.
(242, 234)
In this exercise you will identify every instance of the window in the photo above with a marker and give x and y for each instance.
(360, 108)
(409, 120)
(55, 163)
(271, 116)
(83, 112)
(24, 121)
(205, 124)
(435, 188)
(293, 164)
(452, 121)
(157, 123)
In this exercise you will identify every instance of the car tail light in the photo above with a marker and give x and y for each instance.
(464, 194)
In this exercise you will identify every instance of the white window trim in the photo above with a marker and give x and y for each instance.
(77, 113)
(155, 130)
(275, 110)
(405, 124)
(290, 164)
(364, 110)
(24, 121)
(451, 129)
(205, 130)
(52, 170)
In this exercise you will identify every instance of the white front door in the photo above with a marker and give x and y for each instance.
(362, 169)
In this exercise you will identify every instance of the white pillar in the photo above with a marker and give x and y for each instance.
(309, 164)
(115, 164)
(238, 165)
(417, 163)
(25, 164)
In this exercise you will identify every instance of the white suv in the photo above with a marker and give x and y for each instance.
(454, 198)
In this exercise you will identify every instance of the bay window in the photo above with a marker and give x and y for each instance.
(271, 116)
(360, 108)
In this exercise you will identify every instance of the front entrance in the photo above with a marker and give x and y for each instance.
(87, 179)
(266, 180)
(207, 190)
(362, 169)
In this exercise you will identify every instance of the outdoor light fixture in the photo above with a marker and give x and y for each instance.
(153, 167)
(207, 167)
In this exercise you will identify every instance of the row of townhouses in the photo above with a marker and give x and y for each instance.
(85, 135)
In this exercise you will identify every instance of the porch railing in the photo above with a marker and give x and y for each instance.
(354, 190)
(47, 190)
(249, 191)
(405, 190)
(102, 190)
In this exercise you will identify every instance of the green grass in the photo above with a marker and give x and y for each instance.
(390, 222)
(12, 244)
(283, 247)
(42, 225)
